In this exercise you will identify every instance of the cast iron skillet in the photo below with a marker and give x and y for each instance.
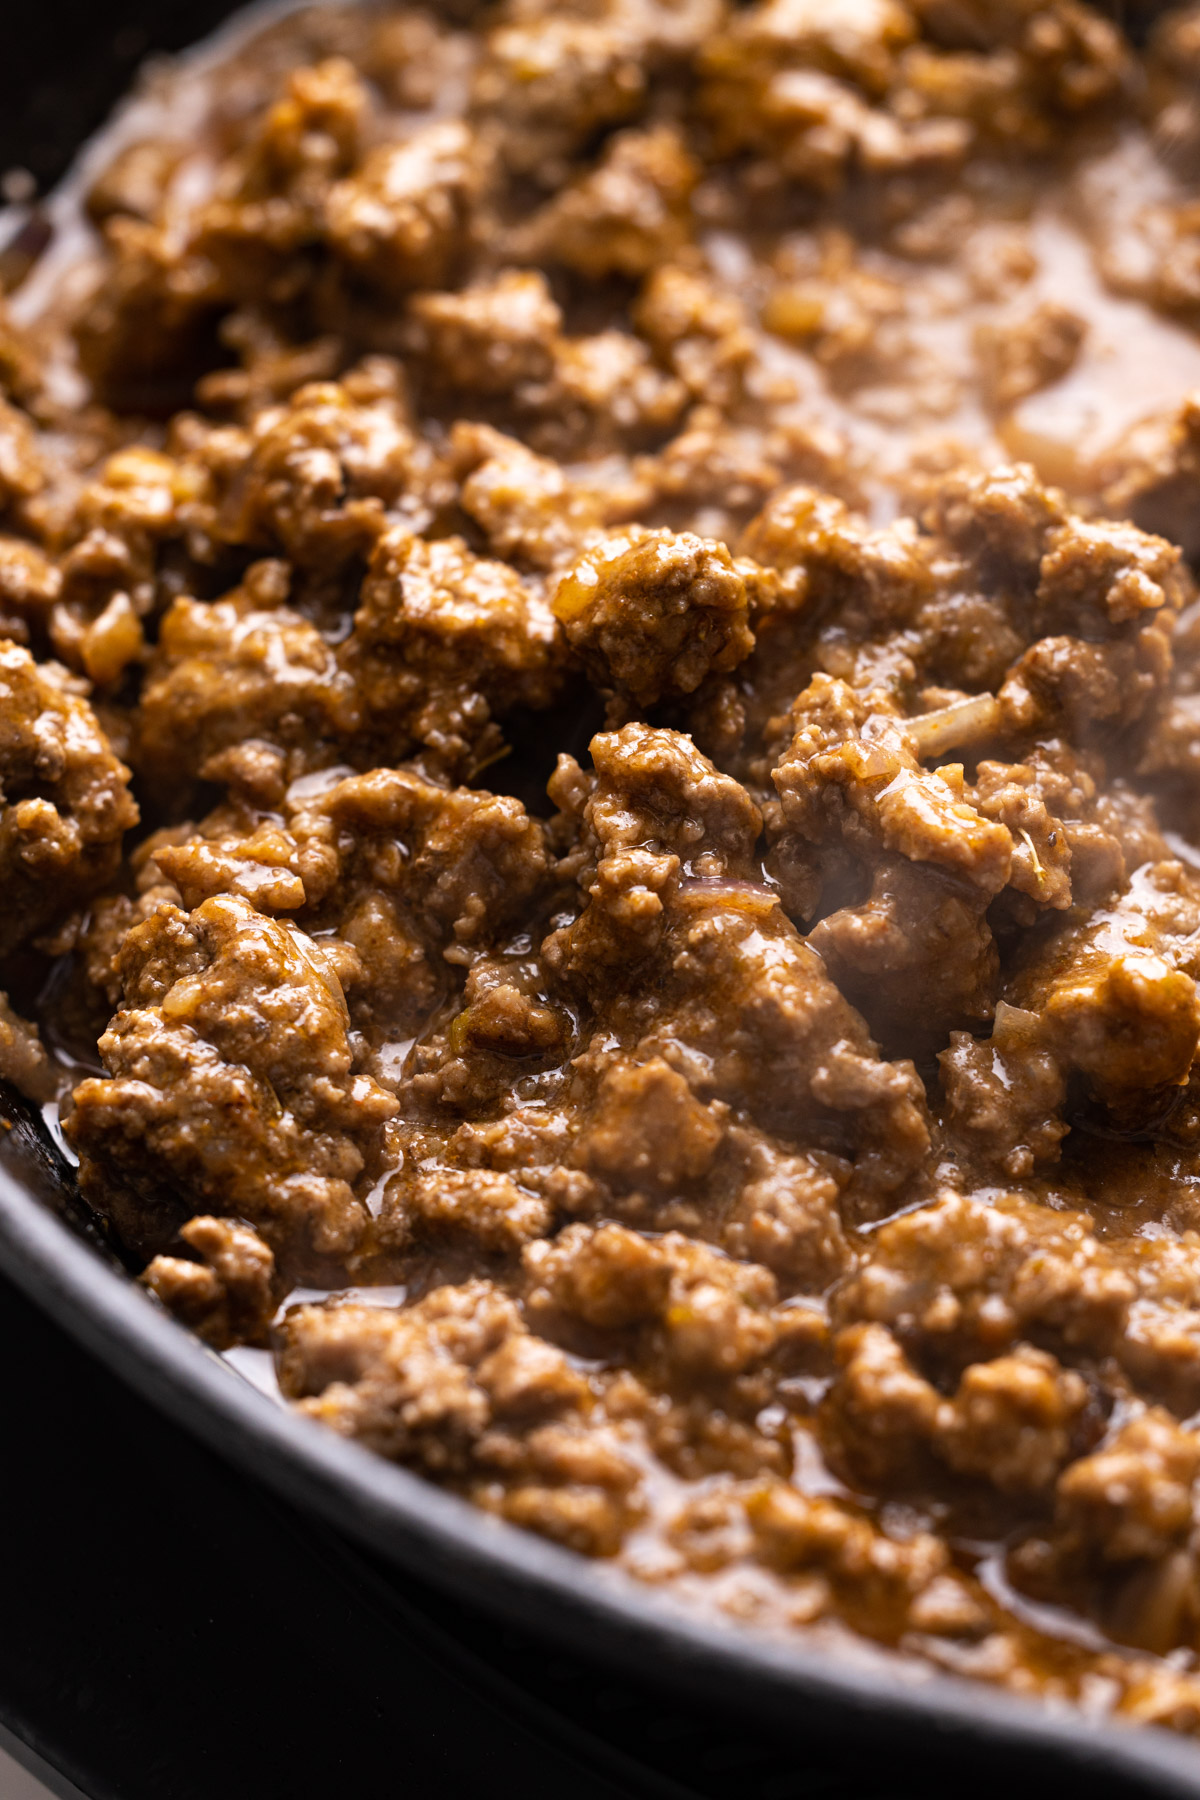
(65, 65)
(53, 1252)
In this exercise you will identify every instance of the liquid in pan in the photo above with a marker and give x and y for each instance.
(600, 762)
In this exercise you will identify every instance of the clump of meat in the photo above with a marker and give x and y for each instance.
(66, 800)
(231, 1084)
(441, 636)
(457, 1387)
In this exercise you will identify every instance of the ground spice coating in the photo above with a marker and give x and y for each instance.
(600, 770)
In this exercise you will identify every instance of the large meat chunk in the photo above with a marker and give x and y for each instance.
(531, 512)
(702, 330)
(1093, 601)
(232, 1088)
(544, 86)
(225, 1289)
(1110, 997)
(1116, 996)
(790, 81)
(403, 219)
(626, 215)
(24, 1060)
(852, 773)
(651, 615)
(1123, 1541)
(833, 1561)
(829, 558)
(495, 337)
(457, 1386)
(241, 671)
(29, 586)
(1154, 477)
(149, 328)
(443, 642)
(22, 474)
(318, 475)
(502, 337)
(1013, 1421)
(66, 801)
(967, 1278)
(851, 781)
(698, 1314)
(396, 874)
(685, 953)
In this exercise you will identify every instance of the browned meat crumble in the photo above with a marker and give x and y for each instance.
(600, 727)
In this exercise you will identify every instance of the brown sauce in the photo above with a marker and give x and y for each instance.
(600, 696)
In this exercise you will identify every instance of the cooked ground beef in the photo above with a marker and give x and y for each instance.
(600, 719)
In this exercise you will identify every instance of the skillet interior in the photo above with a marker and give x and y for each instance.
(68, 70)
(52, 1253)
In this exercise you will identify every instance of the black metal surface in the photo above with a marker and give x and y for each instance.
(67, 62)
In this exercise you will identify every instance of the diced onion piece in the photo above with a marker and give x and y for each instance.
(963, 722)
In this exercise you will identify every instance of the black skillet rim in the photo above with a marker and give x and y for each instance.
(518, 1577)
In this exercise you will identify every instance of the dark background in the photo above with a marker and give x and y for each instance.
(64, 63)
